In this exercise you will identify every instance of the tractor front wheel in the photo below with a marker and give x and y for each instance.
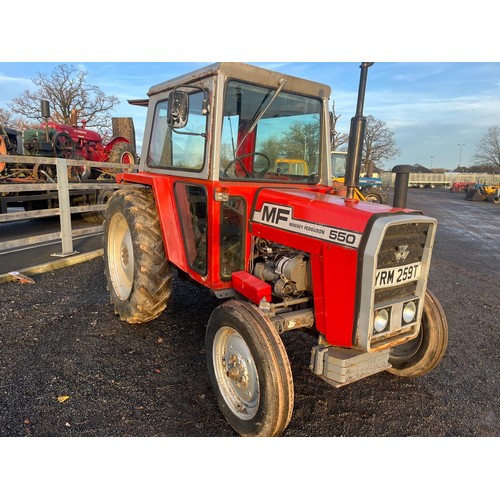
(137, 271)
(249, 370)
(420, 355)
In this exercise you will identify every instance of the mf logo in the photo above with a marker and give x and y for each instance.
(401, 253)
(274, 214)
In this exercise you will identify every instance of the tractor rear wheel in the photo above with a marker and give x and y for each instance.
(375, 195)
(249, 370)
(137, 271)
(424, 352)
(123, 152)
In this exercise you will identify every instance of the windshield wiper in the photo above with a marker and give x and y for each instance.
(261, 114)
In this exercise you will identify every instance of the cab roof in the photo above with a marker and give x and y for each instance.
(248, 73)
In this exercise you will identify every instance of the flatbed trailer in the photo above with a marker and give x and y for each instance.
(31, 198)
(423, 180)
(36, 198)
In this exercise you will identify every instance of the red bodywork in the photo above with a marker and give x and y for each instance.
(88, 144)
(334, 266)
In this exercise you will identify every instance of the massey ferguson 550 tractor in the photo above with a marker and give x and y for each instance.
(280, 249)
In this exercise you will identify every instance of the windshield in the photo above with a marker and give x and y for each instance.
(270, 135)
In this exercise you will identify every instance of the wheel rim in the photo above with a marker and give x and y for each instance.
(120, 256)
(236, 373)
(372, 198)
(127, 158)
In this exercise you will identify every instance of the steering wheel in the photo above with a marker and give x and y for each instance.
(247, 173)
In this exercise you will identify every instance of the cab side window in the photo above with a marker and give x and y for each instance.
(183, 150)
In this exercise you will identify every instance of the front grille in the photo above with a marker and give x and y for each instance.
(398, 246)
(412, 236)
(395, 292)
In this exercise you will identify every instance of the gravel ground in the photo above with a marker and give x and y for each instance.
(69, 367)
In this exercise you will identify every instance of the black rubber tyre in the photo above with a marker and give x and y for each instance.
(103, 196)
(375, 195)
(137, 271)
(83, 173)
(249, 370)
(123, 152)
(422, 354)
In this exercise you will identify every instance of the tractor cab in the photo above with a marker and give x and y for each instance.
(217, 137)
(268, 129)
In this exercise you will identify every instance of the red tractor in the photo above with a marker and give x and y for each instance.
(74, 142)
(281, 250)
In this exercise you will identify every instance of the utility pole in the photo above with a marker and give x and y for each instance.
(460, 157)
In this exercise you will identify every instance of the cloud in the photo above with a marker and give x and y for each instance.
(15, 81)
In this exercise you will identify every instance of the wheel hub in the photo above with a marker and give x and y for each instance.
(237, 371)
(121, 256)
(125, 256)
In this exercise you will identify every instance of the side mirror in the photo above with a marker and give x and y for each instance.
(178, 109)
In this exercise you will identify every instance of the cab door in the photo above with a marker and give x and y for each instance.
(177, 157)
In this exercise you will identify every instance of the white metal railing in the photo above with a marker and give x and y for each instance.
(63, 187)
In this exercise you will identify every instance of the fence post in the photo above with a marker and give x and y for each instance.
(64, 209)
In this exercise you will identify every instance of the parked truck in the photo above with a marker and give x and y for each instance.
(428, 180)
(281, 253)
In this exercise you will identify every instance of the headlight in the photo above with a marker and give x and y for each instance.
(409, 311)
(381, 320)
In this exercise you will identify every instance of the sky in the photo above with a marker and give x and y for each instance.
(435, 84)
(437, 111)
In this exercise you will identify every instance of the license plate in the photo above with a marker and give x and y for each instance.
(393, 276)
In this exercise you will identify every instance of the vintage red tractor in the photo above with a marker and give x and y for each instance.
(74, 142)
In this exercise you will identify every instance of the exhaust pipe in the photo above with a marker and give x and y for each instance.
(356, 138)
(401, 185)
(45, 109)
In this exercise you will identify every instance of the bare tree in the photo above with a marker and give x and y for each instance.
(8, 120)
(70, 96)
(5, 117)
(488, 149)
(379, 144)
(337, 139)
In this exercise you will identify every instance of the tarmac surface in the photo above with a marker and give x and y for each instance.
(70, 367)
